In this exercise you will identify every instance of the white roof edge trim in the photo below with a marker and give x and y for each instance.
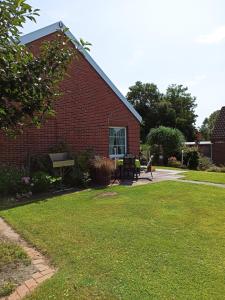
(30, 37)
(200, 143)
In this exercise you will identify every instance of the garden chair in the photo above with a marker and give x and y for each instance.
(129, 167)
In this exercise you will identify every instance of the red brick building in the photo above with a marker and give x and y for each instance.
(91, 114)
(218, 139)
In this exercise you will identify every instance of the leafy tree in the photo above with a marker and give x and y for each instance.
(184, 104)
(208, 125)
(174, 109)
(166, 141)
(28, 83)
(145, 98)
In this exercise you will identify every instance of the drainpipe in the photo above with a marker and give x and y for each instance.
(211, 151)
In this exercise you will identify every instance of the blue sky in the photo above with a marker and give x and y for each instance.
(159, 41)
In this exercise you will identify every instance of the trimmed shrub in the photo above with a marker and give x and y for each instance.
(191, 157)
(169, 141)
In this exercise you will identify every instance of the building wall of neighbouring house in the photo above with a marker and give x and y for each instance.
(203, 148)
(218, 152)
(218, 139)
(84, 113)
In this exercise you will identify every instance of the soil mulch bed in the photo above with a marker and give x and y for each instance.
(22, 268)
(15, 271)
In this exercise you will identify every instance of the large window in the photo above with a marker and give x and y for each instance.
(117, 141)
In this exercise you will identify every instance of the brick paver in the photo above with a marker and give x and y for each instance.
(44, 270)
(22, 290)
(30, 283)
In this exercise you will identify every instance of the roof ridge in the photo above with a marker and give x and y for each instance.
(32, 36)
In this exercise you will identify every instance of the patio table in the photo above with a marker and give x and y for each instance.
(137, 163)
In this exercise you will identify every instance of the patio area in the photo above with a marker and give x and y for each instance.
(146, 178)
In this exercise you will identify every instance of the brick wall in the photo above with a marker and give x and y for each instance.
(83, 115)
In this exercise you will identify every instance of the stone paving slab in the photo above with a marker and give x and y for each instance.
(44, 271)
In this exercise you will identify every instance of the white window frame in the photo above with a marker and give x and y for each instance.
(125, 144)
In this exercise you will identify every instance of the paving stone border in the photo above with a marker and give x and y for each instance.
(44, 271)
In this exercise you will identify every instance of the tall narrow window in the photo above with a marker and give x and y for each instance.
(117, 141)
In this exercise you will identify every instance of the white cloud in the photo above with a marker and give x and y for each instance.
(214, 37)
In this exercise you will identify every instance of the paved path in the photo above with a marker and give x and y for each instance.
(221, 185)
(164, 175)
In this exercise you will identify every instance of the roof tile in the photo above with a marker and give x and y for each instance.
(219, 129)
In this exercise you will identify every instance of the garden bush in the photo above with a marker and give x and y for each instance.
(165, 141)
(222, 168)
(40, 163)
(204, 163)
(79, 175)
(61, 146)
(191, 157)
(12, 180)
(144, 154)
(42, 182)
(173, 162)
(214, 169)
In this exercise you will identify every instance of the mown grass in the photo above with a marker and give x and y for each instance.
(215, 177)
(169, 168)
(159, 241)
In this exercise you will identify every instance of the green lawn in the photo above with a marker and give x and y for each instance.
(160, 241)
(214, 177)
(169, 168)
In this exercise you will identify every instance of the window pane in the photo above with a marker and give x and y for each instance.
(111, 131)
(111, 150)
(121, 150)
(111, 141)
(117, 141)
(121, 141)
(121, 132)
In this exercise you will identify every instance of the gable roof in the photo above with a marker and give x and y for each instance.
(219, 129)
(30, 37)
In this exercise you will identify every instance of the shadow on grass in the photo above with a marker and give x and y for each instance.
(11, 202)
